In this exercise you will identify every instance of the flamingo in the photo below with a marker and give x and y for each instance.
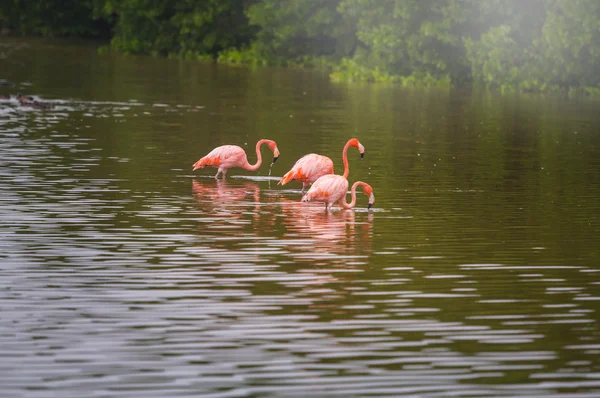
(333, 188)
(227, 156)
(312, 166)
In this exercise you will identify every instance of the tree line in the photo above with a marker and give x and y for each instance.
(525, 45)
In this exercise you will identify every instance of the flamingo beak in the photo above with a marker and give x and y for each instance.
(275, 155)
(370, 205)
(362, 155)
(371, 200)
(361, 149)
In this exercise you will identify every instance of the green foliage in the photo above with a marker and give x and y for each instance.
(592, 91)
(185, 27)
(570, 43)
(557, 49)
(244, 55)
(349, 70)
(51, 18)
(494, 57)
(290, 30)
(402, 37)
(523, 45)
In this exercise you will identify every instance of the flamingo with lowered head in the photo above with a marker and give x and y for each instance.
(333, 188)
(312, 166)
(227, 156)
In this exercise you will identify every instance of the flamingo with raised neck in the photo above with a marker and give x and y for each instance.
(312, 166)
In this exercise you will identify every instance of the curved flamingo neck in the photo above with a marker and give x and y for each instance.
(255, 166)
(350, 205)
(345, 160)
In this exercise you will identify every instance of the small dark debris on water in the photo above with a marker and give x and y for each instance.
(29, 101)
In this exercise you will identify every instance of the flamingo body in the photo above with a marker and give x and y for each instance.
(333, 188)
(311, 167)
(227, 156)
(308, 169)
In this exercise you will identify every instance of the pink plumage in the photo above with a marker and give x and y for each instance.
(227, 156)
(312, 166)
(333, 188)
(308, 169)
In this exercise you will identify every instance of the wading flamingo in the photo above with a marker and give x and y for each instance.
(312, 166)
(333, 188)
(228, 156)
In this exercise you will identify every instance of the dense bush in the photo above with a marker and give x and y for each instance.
(533, 45)
(187, 28)
(52, 18)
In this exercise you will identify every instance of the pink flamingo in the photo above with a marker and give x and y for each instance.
(228, 156)
(333, 188)
(312, 166)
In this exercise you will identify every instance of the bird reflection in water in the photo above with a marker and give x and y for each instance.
(331, 247)
(222, 194)
(327, 233)
(228, 206)
(225, 205)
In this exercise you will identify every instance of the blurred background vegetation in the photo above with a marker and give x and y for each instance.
(524, 45)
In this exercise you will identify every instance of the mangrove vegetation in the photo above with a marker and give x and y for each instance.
(524, 45)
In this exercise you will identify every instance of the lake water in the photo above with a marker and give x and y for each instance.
(125, 274)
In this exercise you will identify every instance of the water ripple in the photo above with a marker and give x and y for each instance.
(125, 275)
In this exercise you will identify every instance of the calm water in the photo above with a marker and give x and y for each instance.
(124, 274)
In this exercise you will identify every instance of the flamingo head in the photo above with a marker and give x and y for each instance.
(273, 146)
(356, 144)
(369, 192)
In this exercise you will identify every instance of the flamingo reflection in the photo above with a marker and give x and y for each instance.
(228, 206)
(319, 243)
(224, 205)
(223, 194)
(342, 232)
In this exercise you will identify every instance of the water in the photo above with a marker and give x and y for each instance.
(124, 274)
